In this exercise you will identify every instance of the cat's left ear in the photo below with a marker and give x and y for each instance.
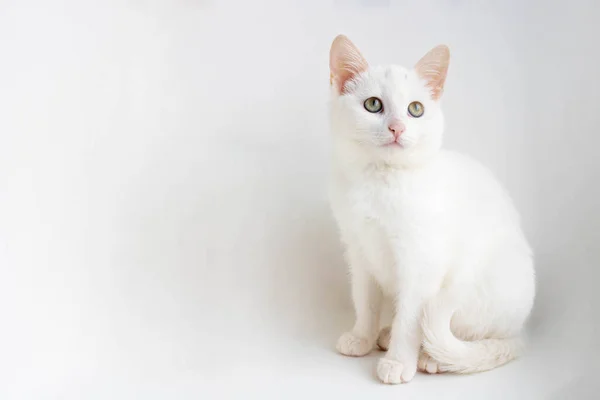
(433, 68)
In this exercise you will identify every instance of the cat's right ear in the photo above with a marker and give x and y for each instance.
(345, 62)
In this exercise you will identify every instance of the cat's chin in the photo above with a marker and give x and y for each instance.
(402, 155)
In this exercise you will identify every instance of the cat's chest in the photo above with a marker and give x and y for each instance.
(383, 202)
(374, 209)
(380, 216)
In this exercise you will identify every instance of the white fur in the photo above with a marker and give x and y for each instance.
(430, 229)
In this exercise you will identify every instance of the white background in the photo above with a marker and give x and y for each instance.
(164, 230)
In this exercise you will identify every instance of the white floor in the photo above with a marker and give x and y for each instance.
(164, 231)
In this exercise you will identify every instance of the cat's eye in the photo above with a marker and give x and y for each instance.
(373, 105)
(416, 109)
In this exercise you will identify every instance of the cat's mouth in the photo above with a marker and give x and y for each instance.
(393, 144)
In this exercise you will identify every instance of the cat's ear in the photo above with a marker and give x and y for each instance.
(345, 62)
(433, 68)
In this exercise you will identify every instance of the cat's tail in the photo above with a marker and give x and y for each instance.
(455, 355)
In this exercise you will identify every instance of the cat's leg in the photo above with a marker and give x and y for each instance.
(419, 274)
(400, 362)
(425, 363)
(367, 296)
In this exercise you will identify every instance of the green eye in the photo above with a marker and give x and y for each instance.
(416, 109)
(373, 105)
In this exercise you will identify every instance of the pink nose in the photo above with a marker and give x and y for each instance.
(397, 128)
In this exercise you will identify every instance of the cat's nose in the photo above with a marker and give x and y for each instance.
(397, 128)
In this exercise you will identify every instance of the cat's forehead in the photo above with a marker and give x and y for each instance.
(391, 74)
(391, 80)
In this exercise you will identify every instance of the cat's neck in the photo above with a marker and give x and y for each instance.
(351, 159)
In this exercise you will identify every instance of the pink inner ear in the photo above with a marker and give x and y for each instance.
(433, 68)
(345, 62)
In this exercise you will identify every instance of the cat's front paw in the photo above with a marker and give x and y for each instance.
(394, 372)
(351, 345)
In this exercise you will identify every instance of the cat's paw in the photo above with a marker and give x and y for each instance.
(351, 345)
(383, 341)
(394, 372)
(428, 364)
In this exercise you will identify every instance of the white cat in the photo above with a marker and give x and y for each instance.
(430, 229)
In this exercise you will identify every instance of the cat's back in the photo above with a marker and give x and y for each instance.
(470, 188)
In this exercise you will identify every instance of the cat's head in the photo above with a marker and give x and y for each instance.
(387, 113)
